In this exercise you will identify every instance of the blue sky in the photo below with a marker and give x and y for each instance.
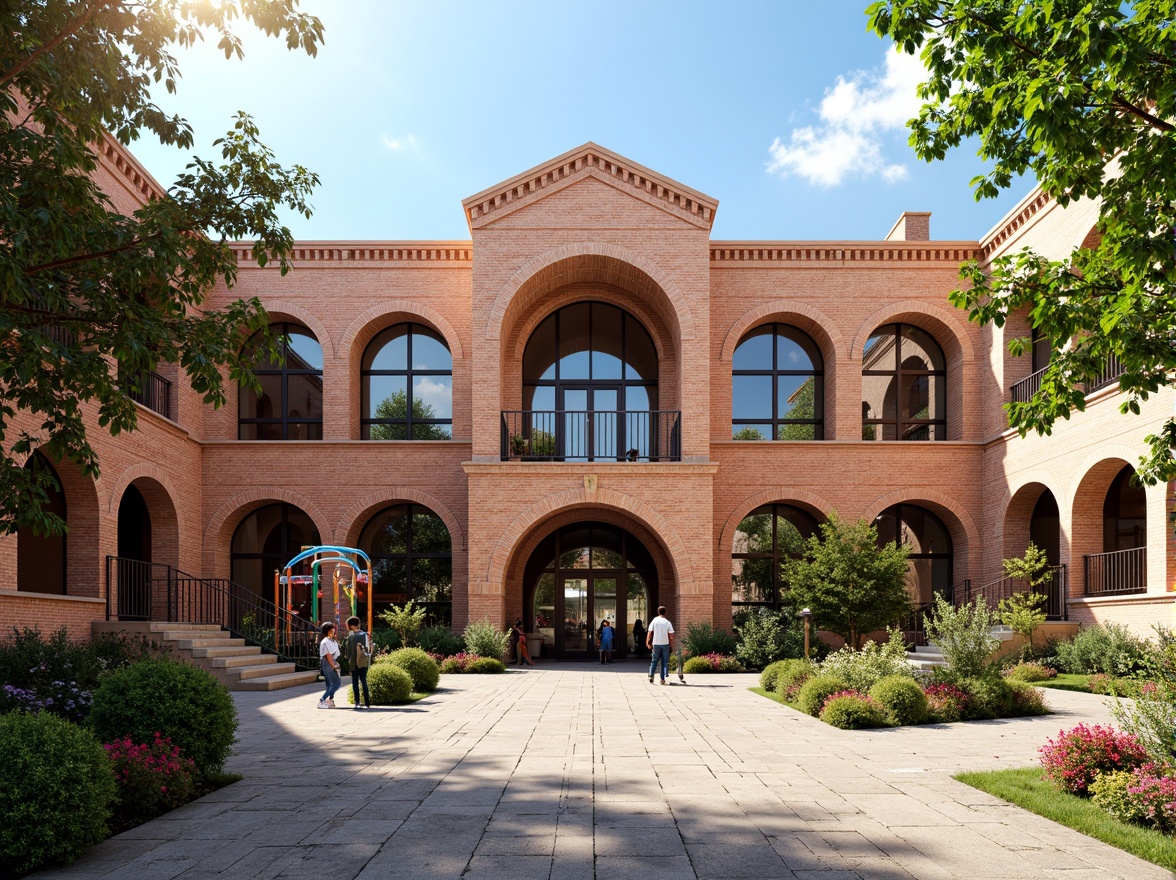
(789, 113)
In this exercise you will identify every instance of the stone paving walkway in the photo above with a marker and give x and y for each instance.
(573, 771)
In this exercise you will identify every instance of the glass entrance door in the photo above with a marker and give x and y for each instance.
(577, 615)
(590, 423)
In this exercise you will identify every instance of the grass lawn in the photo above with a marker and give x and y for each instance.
(1025, 788)
(772, 695)
(1066, 681)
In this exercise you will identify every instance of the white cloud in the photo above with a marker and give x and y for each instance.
(403, 144)
(855, 115)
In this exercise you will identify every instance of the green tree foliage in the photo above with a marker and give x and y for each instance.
(1082, 94)
(406, 621)
(804, 406)
(852, 585)
(86, 292)
(395, 406)
(1024, 612)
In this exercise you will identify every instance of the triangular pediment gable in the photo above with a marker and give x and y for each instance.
(579, 164)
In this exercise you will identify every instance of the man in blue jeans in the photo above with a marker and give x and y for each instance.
(659, 638)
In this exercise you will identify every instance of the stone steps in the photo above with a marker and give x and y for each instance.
(238, 666)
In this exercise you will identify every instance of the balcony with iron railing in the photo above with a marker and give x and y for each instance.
(993, 592)
(592, 435)
(152, 391)
(1024, 390)
(1117, 573)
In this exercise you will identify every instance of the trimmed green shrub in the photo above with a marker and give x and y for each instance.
(1029, 672)
(702, 638)
(388, 684)
(419, 665)
(901, 698)
(773, 670)
(710, 663)
(1109, 792)
(988, 697)
(964, 635)
(485, 639)
(439, 640)
(1107, 648)
(850, 710)
(181, 702)
(946, 703)
(57, 793)
(767, 636)
(813, 693)
(791, 677)
(385, 641)
(486, 666)
(457, 664)
(862, 669)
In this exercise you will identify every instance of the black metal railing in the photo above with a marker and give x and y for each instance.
(1122, 571)
(138, 590)
(1054, 590)
(152, 391)
(1024, 390)
(914, 625)
(1111, 371)
(591, 435)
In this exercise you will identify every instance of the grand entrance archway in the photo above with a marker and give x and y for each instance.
(578, 576)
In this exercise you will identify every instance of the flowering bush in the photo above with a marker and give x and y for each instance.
(1153, 795)
(63, 698)
(152, 779)
(1030, 672)
(1077, 756)
(712, 663)
(457, 663)
(1109, 792)
(851, 710)
(945, 702)
(865, 668)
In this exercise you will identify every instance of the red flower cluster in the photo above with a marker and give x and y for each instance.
(152, 779)
(946, 702)
(1074, 760)
(1155, 793)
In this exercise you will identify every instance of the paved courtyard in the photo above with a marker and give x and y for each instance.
(577, 771)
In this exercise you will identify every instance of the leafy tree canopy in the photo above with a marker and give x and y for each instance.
(90, 297)
(396, 406)
(852, 585)
(1082, 94)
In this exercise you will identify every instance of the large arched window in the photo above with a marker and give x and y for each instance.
(929, 543)
(40, 559)
(1124, 513)
(777, 386)
(590, 377)
(265, 541)
(407, 385)
(290, 406)
(766, 537)
(904, 385)
(412, 559)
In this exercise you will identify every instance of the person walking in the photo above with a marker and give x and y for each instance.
(660, 639)
(329, 658)
(519, 638)
(359, 658)
(606, 641)
(638, 637)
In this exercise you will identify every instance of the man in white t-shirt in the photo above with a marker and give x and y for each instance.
(659, 638)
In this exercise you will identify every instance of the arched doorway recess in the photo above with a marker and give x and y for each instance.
(581, 574)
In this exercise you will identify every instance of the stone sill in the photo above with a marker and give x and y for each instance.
(28, 594)
(550, 468)
(1126, 599)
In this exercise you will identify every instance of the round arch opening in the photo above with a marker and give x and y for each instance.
(581, 574)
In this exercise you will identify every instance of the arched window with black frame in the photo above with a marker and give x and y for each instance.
(264, 542)
(777, 386)
(412, 560)
(765, 538)
(41, 558)
(407, 379)
(290, 406)
(590, 389)
(904, 385)
(928, 541)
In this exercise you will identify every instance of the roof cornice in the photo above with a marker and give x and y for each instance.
(734, 254)
(370, 253)
(590, 160)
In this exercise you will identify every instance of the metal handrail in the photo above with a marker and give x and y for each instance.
(1111, 371)
(1115, 573)
(152, 591)
(1054, 590)
(1024, 390)
(152, 391)
(591, 435)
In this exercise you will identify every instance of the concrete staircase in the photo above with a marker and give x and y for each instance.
(929, 656)
(238, 666)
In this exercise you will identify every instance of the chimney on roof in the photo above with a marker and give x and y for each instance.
(911, 226)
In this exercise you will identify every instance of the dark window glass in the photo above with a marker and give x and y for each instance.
(765, 538)
(1124, 513)
(929, 543)
(1042, 350)
(412, 560)
(777, 386)
(40, 559)
(904, 385)
(406, 386)
(290, 406)
(264, 542)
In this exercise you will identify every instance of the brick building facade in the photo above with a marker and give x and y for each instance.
(574, 376)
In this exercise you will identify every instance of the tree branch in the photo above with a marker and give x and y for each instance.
(1154, 121)
(85, 258)
(71, 29)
